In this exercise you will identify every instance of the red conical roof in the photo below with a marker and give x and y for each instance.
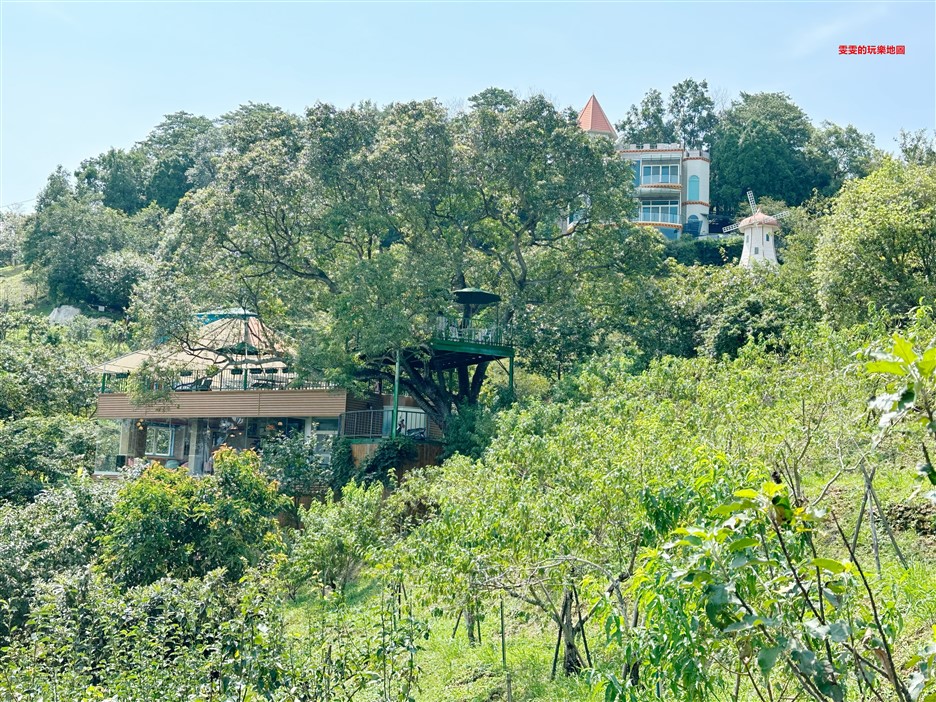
(593, 119)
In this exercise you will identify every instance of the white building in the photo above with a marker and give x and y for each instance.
(672, 183)
(760, 239)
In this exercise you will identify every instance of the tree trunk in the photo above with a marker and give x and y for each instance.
(471, 624)
(572, 662)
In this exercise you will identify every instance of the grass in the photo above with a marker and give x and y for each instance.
(453, 671)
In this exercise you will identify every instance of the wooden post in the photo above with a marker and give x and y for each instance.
(396, 396)
(504, 652)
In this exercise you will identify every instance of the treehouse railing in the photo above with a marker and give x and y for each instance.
(378, 424)
(469, 331)
(247, 378)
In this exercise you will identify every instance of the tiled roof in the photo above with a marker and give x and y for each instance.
(593, 119)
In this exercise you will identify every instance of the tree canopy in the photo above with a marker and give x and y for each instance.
(878, 246)
(351, 228)
(688, 118)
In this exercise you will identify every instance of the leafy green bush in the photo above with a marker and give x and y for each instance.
(206, 639)
(169, 523)
(342, 463)
(39, 452)
(389, 455)
(337, 537)
(292, 462)
(55, 533)
(707, 252)
(41, 376)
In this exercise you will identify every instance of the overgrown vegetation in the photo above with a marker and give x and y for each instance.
(688, 495)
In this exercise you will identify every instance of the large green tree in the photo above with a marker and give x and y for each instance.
(353, 227)
(878, 245)
(688, 117)
(760, 143)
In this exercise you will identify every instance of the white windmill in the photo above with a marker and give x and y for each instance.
(760, 235)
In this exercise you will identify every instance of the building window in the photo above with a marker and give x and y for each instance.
(322, 443)
(756, 250)
(660, 174)
(160, 440)
(660, 211)
(768, 237)
(693, 188)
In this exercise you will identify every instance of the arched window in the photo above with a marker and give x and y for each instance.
(693, 188)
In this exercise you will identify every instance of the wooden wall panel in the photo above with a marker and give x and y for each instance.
(228, 403)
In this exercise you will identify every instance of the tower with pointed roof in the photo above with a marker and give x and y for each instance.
(671, 181)
(593, 119)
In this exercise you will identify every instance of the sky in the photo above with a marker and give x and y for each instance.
(77, 78)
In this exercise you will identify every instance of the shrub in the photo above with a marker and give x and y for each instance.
(292, 462)
(337, 537)
(39, 452)
(168, 523)
(389, 455)
(51, 535)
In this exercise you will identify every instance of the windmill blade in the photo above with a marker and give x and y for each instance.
(730, 228)
(752, 201)
(781, 215)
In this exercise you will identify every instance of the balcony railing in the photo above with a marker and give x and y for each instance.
(249, 378)
(378, 424)
(664, 217)
(458, 329)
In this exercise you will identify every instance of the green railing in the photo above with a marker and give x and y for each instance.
(248, 378)
(378, 424)
(470, 331)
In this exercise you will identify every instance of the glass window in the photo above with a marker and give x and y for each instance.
(756, 250)
(693, 187)
(160, 440)
(768, 237)
(660, 211)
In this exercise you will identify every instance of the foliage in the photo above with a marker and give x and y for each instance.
(389, 456)
(40, 452)
(337, 538)
(706, 252)
(555, 510)
(688, 119)
(342, 462)
(206, 639)
(169, 523)
(878, 245)
(765, 143)
(848, 154)
(746, 595)
(717, 310)
(292, 463)
(910, 394)
(40, 375)
(114, 276)
(85, 250)
(469, 432)
(411, 203)
(53, 534)
(917, 148)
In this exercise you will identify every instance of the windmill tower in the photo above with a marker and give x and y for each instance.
(760, 235)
